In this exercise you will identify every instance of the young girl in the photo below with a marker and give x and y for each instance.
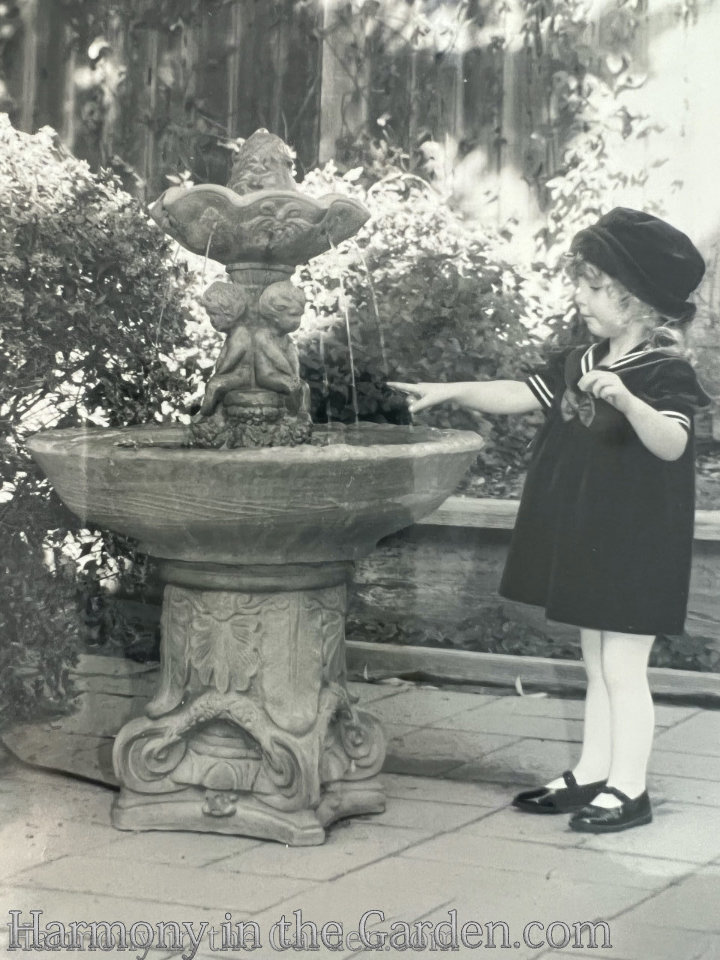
(604, 530)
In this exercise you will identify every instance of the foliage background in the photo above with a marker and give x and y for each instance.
(92, 331)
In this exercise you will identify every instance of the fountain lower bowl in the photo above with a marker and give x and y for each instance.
(280, 505)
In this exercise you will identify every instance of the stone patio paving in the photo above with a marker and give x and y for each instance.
(448, 841)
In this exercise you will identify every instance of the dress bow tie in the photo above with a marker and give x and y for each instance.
(576, 403)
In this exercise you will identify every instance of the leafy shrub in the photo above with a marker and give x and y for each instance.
(424, 297)
(93, 312)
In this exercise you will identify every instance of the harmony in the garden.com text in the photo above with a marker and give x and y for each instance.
(32, 933)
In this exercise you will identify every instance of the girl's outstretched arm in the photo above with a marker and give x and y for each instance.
(487, 396)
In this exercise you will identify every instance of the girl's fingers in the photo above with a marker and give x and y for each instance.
(587, 382)
(414, 391)
(423, 395)
(411, 388)
(605, 385)
(596, 382)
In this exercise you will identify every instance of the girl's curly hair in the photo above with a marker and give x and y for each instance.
(664, 333)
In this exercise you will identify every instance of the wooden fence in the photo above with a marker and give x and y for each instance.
(160, 95)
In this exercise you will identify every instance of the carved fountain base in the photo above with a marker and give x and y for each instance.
(252, 731)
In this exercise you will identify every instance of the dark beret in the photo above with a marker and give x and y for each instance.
(651, 258)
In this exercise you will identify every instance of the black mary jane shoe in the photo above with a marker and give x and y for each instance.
(632, 812)
(573, 796)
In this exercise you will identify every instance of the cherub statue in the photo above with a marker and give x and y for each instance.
(226, 305)
(257, 353)
(277, 365)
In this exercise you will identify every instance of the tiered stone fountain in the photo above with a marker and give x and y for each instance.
(252, 730)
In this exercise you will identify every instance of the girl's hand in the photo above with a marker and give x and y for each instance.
(607, 385)
(426, 394)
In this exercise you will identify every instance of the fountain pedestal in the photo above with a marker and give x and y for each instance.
(252, 731)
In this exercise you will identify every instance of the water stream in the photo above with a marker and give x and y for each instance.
(166, 297)
(376, 310)
(207, 254)
(344, 306)
(385, 369)
(325, 380)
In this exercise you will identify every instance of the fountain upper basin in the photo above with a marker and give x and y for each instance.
(278, 505)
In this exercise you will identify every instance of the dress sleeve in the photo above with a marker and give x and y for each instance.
(548, 380)
(672, 388)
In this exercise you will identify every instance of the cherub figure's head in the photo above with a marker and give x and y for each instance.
(282, 303)
(225, 304)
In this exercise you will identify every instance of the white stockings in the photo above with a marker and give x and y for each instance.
(619, 713)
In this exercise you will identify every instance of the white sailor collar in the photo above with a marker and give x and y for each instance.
(640, 355)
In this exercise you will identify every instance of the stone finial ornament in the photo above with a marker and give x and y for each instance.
(263, 162)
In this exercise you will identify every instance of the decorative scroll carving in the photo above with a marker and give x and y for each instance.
(144, 757)
(354, 748)
(223, 639)
(285, 227)
(253, 708)
(147, 754)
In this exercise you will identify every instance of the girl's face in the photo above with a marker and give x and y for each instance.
(599, 302)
